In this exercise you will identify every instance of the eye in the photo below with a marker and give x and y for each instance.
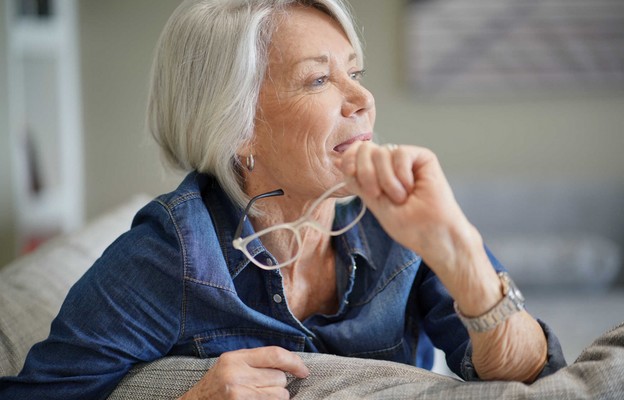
(320, 81)
(357, 75)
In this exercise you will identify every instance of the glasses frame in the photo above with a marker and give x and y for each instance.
(240, 243)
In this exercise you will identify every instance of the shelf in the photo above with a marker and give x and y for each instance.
(45, 124)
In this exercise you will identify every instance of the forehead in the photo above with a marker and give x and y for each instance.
(306, 32)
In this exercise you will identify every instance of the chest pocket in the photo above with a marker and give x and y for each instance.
(213, 343)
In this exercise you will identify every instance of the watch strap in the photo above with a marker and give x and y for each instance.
(512, 302)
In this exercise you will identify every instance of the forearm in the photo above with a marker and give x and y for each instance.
(515, 349)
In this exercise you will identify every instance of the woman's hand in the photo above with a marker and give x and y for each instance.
(405, 188)
(408, 193)
(249, 374)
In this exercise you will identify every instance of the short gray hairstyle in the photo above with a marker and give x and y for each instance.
(209, 65)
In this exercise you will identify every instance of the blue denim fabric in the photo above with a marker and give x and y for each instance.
(174, 285)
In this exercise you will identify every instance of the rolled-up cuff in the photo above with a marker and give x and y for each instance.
(555, 361)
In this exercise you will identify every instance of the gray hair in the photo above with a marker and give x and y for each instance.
(210, 62)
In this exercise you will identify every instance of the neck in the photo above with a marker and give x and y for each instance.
(283, 244)
(309, 282)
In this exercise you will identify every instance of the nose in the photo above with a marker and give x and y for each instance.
(357, 99)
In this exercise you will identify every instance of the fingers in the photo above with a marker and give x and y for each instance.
(365, 174)
(387, 178)
(379, 170)
(402, 163)
(268, 377)
(277, 358)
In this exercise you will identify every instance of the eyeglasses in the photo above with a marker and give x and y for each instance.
(288, 232)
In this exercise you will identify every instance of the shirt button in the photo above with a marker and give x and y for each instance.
(277, 298)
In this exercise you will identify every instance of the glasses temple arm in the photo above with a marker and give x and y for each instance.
(239, 228)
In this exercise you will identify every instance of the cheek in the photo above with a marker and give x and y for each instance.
(307, 121)
(296, 129)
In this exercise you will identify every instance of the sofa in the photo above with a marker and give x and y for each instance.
(32, 289)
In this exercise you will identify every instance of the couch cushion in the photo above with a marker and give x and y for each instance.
(597, 374)
(170, 377)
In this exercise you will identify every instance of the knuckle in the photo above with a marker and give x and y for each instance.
(283, 380)
(429, 153)
(233, 392)
(227, 358)
(379, 153)
(277, 354)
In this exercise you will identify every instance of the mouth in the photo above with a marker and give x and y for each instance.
(363, 137)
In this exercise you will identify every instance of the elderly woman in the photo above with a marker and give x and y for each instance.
(263, 251)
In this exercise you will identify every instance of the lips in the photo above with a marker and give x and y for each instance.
(342, 147)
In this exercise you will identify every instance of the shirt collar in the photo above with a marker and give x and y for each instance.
(354, 241)
(225, 216)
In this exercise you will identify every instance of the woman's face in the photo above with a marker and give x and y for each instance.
(312, 106)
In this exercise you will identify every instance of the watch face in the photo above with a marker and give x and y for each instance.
(520, 296)
(514, 292)
(509, 286)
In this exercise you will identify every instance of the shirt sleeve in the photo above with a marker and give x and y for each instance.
(438, 319)
(126, 309)
(555, 359)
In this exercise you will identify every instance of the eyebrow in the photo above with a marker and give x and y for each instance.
(323, 59)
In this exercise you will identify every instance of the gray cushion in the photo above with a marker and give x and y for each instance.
(597, 374)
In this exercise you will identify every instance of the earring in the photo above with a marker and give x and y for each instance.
(250, 162)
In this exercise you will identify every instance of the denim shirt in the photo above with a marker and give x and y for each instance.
(174, 285)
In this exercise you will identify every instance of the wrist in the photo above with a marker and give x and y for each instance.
(512, 302)
(469, 275)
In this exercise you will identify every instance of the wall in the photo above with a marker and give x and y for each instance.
(7, 236)
(551, 138)
(117, 42)
(548, 165)
(548, 138)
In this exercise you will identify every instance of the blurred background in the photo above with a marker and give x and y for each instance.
(538, 167)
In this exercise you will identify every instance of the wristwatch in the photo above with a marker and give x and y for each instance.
(512, 302)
